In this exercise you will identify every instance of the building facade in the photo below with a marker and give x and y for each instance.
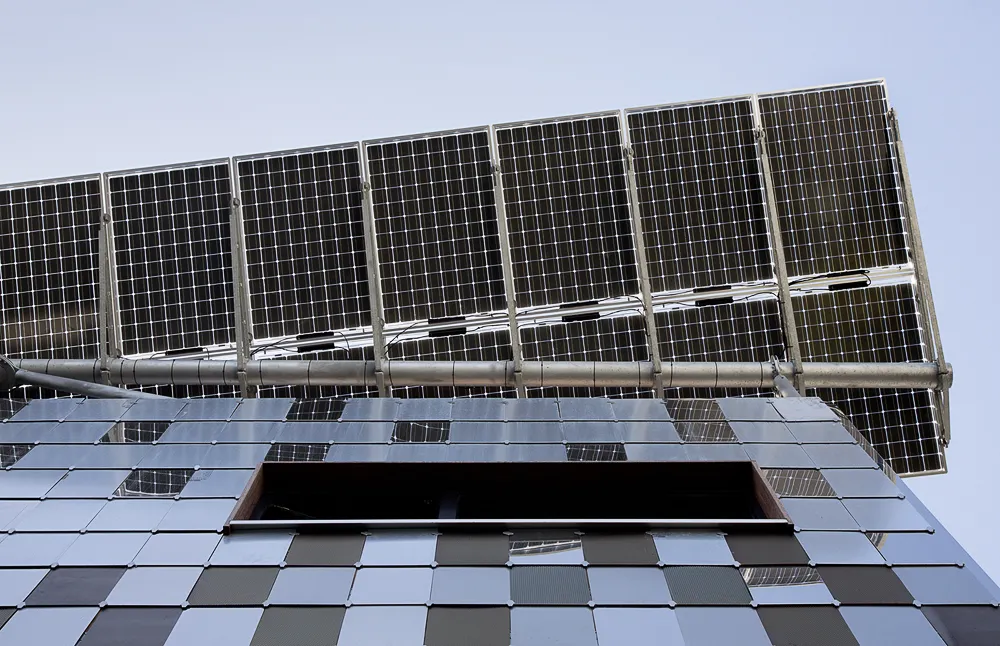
(749, 521)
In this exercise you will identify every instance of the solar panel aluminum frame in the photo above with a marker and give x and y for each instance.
(776, 239)
(374, 279)
(507, 264)
(66, 180)
(241, 283)
(640, 257)
(441, 134)
(926, 300)
(215, 350)
(616, 114)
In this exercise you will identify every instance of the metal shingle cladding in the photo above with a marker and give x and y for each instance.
(146, 552)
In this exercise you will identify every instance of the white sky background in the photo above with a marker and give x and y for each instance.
(97, 86)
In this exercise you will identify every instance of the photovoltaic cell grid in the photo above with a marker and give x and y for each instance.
(305, 241)
(49, 269)
(747, 330)
(878, 324)
(436, 226)
(567, 209)
(608, 338)
(834, 172)
(699, 185)
(172, 249)
(492, 345)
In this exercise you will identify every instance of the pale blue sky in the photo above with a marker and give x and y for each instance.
(112, 85)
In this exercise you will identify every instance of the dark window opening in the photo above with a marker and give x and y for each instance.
(596, 452)
(421, 431)
(356, 493)
(135, 432)
(11, 453)
(316, 410)
(292, 452)
(143, 483)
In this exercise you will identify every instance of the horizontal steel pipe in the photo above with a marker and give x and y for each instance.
(490, 373)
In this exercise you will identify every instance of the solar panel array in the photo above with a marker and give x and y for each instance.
(401, 242)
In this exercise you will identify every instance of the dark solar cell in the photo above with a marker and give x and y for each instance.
(305, 243)
(143, 483)
(436, 226)
(878, 324)
(700, 192)
(319, 550)
(131, 627)
(49, 270)
(287, 452)
(596, 452)
(429, 431)
(609, 338)
(567, 208)
(490, 345)
(899, 423)
(135, 432)
(747, 330)
(174, 262)
(834, 173)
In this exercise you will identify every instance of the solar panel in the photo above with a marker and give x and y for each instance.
(619, 337)
(305, 243)
(745, 330)
(436, 226)
(567, 209)
(700, 192)
(174, 264)
(879, 323)
(49, 269)
(834, 173)
(452, 344)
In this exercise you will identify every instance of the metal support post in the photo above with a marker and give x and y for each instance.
(374, 278)
(110, 322)
(508, 265)
(923, 279)
(241, 281)
(640, 260)
(778, 252)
